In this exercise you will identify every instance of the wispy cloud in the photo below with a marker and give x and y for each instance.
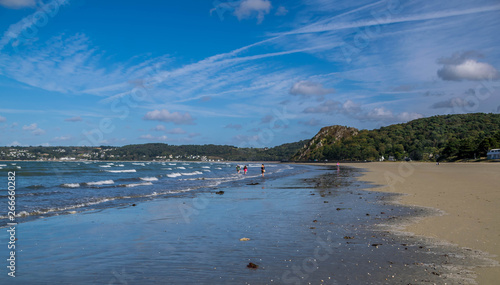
(333, 25)
(18, 4)
(308, 88)
(149, 137)
(74, 119)
(166, 116)
(15, 30)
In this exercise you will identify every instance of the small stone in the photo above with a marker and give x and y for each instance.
(252, 265)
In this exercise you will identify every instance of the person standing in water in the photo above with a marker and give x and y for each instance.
(245, 169)
(238, 168)
(262, 169)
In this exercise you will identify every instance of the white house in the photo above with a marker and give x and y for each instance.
(494, 153)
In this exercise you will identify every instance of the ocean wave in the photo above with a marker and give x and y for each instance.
(71, 185)
(36, 186)
(103, 182)
(173, 175)
(3, 164)
(137, 184)
(172, 164)
(192, 173)
(180, 167)
(138, 163)
(149, 178)
(121, 171)
(105, 165)
(205, 167)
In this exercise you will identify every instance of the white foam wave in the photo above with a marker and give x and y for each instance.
(138, 163)
(105, 165)
(173, 175)
(71, 185)
(149, 178)
(121, 171)
(138, 184)
(172, 164)
(205, 167)
(180, 167)
(103, 182)
(193, 173)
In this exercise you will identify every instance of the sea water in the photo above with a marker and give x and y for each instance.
(46, 189)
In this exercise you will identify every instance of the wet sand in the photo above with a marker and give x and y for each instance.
(467, 193)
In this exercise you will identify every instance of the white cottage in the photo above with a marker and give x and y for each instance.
(494, 153)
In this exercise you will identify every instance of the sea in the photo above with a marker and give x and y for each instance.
(48, 188)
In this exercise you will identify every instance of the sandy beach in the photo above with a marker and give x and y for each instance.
(468, 193)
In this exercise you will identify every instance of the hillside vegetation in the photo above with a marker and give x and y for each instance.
(438, 138)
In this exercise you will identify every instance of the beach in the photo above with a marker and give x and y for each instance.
(300, 224)
(467, 193)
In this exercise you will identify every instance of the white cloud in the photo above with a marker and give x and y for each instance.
(380, 114)
(308, 88)
(74, 119)
(328, 106)
(61, 138)
(250, 8)
(38, 132)
(351, 107)
(176, 131)
(2, 119)
(160, 128)
(453, 103)
(387, 116)
(311, 122)
(31, 127)
(165, 116)
(18, 4)
(153, 138)
(15, 143)
(233, 126)
(282, 11)
(469, 69)
(34, 129)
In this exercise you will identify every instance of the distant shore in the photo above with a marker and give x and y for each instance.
(468, 193)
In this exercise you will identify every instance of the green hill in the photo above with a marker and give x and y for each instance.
(446, 137)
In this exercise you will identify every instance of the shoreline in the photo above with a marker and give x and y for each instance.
(467, 194)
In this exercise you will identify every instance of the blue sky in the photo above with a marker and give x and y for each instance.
(250, 73)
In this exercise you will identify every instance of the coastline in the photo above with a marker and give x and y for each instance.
(467, 193)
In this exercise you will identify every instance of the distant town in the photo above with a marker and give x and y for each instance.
(86, 153)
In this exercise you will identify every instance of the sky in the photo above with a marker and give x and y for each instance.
(248, 73)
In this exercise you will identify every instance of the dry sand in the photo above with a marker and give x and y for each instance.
(468, 193)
